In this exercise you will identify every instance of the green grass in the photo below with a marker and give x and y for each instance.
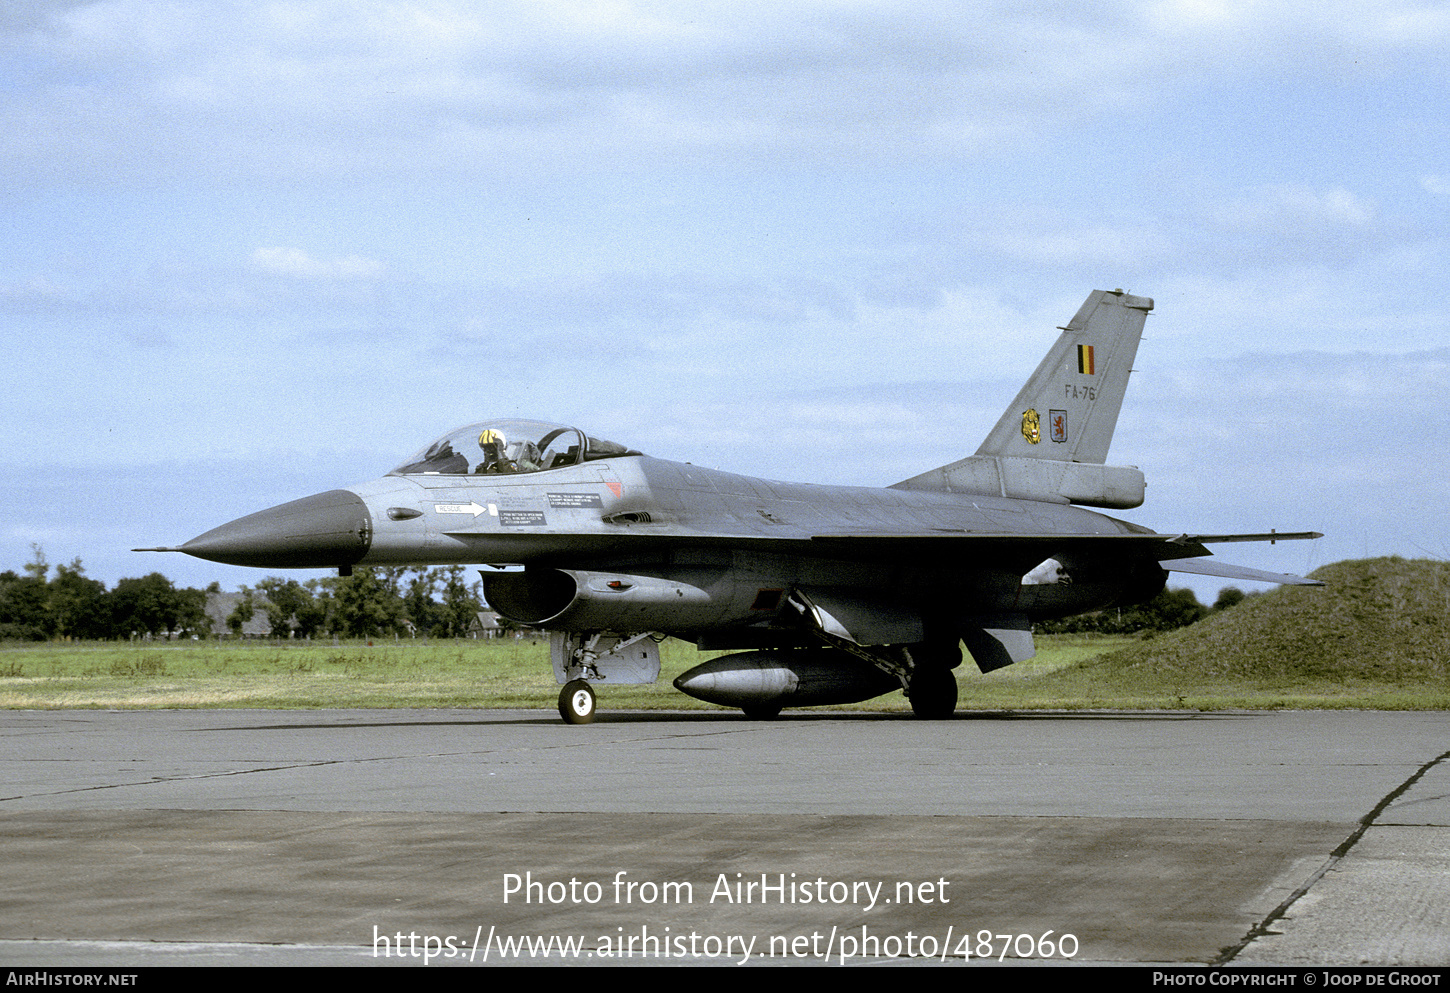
(387, 674)
(1068, 673)
(277, 674)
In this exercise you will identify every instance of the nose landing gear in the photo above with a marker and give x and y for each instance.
(576, 702)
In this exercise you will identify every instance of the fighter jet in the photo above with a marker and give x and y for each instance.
(825, 594)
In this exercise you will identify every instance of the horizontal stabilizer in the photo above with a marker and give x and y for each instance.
(1226, 570)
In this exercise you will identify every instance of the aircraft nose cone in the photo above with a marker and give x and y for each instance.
(321, 531)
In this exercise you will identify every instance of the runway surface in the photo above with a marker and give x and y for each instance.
(395, 837)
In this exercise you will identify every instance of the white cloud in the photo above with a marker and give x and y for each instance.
(1436, 184)
(132, 87)
(297, 263)
(1287, 28)
(1065, 241)
(32, 291)
(1287, 210)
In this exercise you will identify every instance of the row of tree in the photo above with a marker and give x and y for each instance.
(38, 605)
(371, 601)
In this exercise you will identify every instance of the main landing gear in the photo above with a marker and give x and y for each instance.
(931, 687)
(932, 692)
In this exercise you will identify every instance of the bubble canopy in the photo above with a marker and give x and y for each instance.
(506, 447)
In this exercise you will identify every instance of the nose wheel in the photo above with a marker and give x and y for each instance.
(576, 702)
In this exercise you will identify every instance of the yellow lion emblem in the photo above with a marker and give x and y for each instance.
(1031, 426)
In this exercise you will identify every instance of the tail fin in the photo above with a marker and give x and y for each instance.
(1069, 408)
(1052, 442)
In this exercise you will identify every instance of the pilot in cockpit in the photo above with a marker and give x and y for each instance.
(495, 449)
(500, 457)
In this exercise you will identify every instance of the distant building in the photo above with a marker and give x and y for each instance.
(484, 625)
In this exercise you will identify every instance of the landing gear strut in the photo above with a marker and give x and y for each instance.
(576, 702)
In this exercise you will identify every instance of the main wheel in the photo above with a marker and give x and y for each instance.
(761, 711)
(576, 702)
(933, 693)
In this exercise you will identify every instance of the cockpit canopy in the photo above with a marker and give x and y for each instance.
(509, 446)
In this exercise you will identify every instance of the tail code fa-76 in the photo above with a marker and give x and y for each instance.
(828, 594)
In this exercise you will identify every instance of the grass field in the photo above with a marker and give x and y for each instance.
(1067, 673)
(385, 674)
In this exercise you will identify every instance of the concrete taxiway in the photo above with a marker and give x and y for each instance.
(391, 837)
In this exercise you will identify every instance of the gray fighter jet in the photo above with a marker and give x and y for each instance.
(829, 594)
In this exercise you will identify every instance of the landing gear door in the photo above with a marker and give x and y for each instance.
(615, 658)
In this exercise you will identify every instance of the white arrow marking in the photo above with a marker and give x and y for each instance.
(458, 508)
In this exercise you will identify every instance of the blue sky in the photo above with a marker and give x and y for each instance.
(253, 251)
